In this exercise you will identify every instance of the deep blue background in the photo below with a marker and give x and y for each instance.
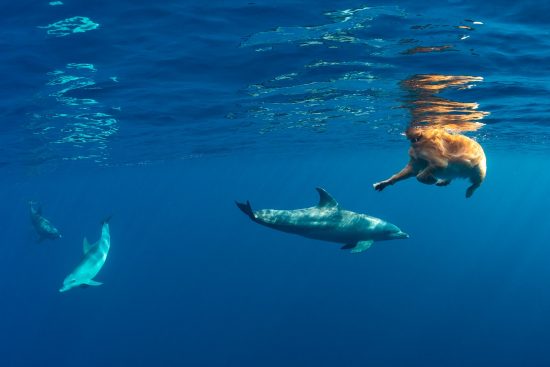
(198, 105)
(190, 280)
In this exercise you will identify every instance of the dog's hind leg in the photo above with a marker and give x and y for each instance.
(476, 179)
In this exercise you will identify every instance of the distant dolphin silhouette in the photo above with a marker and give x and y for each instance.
(92, 262)
(327, 222)
(43, 227)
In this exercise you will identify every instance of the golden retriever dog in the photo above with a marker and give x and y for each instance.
(439, 156)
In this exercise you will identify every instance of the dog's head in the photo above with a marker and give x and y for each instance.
(414, 134)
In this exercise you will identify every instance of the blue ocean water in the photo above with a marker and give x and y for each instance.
(161, 114)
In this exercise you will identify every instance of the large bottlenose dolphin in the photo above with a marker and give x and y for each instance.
(43, 227)
(327, 222)
(91, 263)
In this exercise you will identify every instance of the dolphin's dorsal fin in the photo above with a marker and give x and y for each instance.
(325, 200)
(86, 245)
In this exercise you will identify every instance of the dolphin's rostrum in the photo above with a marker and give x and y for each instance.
(328, 222)
(91, 263)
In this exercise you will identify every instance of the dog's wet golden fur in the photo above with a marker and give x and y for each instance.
(438, 156)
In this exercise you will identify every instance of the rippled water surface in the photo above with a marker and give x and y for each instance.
(119, 83)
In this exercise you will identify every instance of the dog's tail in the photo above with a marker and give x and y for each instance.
(246, 209)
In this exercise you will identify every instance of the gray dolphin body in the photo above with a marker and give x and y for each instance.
(43, 227)
(327, 222)
(91, 263)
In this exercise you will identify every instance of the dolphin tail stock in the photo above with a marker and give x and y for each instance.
(246, 209)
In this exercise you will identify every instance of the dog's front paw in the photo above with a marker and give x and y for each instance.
(379, 186)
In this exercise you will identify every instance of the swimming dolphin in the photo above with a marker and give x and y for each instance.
(42, 226)
(91, 263)
(327, 222)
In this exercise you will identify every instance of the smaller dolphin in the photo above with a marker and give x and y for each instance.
(327, 222)
(42, 226)
(91, 263)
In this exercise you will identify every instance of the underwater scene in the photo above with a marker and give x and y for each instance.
(275, 183)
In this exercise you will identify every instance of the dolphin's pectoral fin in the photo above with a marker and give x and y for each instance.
(348, 246)
(362, 246)
(325, 199)
(92, 282)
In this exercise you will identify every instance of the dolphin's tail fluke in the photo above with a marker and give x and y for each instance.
(106, 220)
(246, 209)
